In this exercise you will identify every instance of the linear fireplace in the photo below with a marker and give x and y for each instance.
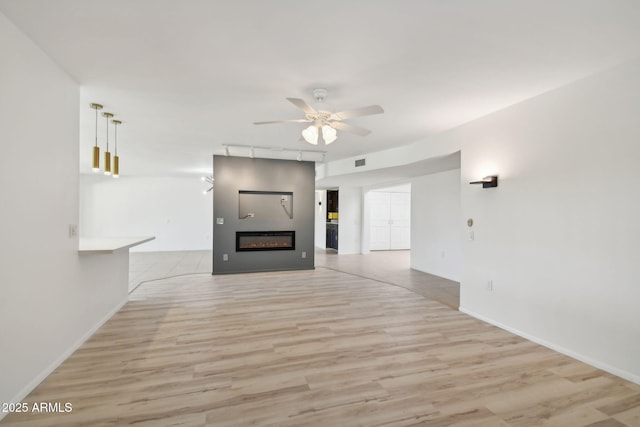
(265, 241)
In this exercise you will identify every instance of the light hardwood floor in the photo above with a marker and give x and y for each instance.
(317, 348)
(145, 266)
(392, 267)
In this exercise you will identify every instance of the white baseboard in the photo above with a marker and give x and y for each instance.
(64, 356)
(567, 352)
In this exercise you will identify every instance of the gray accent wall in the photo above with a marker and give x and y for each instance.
(235, 174)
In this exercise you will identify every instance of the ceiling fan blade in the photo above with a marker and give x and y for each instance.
(301, 104)
(350, 128)
(282, 121)
(358, 112)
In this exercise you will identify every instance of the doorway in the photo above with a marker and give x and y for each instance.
(390, 218)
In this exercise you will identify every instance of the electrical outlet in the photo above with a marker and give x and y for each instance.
(490, 285)
(251, 215)
(219, 221)
(304, 254)
(225, 257)
(73, 230)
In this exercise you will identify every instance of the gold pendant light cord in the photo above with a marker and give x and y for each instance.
(96, 127)
(107, 117)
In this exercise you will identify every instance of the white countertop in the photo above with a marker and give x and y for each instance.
(108, 245)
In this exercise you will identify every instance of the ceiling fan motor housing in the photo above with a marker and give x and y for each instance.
(320, 94)
(322, 108)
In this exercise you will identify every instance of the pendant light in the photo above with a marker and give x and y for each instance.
(116, 159)
(107, 154)
(96, 149)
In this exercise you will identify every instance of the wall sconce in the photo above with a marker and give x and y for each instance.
(488, 181)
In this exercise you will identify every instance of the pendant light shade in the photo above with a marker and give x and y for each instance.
(107, 163)
(329, 134)
(107, 154)
(116, 159)
(310, 135)
(96, 149)
(116, 167)
(96, 159)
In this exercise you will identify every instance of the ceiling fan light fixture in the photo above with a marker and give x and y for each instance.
(329, 134)
(323, 119)
(310, 135)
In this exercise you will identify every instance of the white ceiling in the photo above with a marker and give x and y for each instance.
(187, 76)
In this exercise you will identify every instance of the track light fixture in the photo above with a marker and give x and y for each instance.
(274, 153)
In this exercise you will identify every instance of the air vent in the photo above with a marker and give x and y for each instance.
(360, 162)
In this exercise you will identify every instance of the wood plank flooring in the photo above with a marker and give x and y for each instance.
(317, 348)
(393, 267)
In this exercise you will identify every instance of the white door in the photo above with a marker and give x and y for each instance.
(390, 220)
(400, 221)
(379, 220)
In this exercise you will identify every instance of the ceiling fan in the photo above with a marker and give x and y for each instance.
(323, 121)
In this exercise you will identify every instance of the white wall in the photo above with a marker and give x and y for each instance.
(171, 208)
(52, 299)
(321, 219)
(559, 236)
(350, 201)
(436, 224)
